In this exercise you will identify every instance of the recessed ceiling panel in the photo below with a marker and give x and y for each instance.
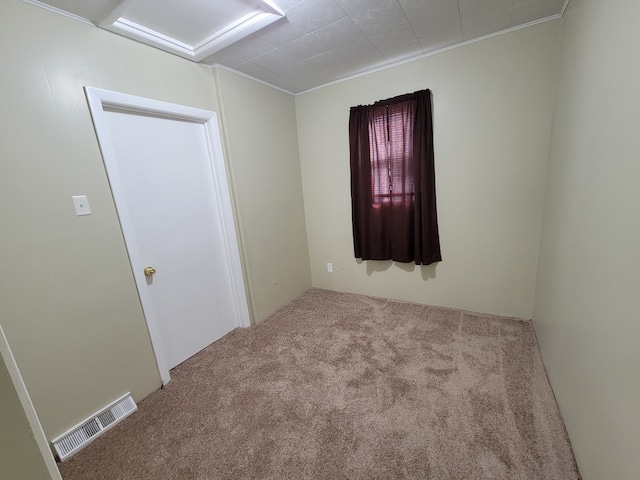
(189, 21)
(193, 29)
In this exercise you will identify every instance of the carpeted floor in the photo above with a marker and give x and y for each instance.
(340, 386)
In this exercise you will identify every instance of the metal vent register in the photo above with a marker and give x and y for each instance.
(87, 431)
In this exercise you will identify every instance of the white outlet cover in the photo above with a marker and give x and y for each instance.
(81, 204)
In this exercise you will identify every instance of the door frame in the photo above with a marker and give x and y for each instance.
(102, 101)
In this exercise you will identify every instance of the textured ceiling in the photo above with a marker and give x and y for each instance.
(297, 45)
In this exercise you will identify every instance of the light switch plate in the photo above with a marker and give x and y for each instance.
(81, 204)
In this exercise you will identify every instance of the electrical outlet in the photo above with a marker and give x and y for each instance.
(329, 267)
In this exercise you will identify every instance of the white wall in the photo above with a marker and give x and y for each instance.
(259, 125)
(493, 104)
(69, 305)
(24, 451)
(588, 294)
(68, 301)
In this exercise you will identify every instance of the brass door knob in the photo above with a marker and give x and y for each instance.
(149, 271)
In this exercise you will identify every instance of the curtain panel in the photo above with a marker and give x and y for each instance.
(393, 180)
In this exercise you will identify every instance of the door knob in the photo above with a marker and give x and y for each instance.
(149, 271)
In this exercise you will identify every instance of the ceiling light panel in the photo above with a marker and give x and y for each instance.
(189, 21)
(194, 29)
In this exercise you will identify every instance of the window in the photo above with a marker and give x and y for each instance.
(393, 180)
(391, 154)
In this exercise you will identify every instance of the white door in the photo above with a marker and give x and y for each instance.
(168, 180)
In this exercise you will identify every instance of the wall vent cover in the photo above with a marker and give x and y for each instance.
(87, 431)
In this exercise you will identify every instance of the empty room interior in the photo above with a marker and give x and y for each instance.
(536, 160)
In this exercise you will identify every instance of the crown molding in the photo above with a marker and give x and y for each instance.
(267, 13)
(60, 12)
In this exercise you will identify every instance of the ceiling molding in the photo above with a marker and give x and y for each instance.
(266, 13)
(233, 32)
(59, 11)
(269, 6)
(143, 34)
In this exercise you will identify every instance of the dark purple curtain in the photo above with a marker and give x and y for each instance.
(393, 180)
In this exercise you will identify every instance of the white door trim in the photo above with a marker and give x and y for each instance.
(100, 101)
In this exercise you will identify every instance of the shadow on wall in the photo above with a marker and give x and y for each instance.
(374, 266)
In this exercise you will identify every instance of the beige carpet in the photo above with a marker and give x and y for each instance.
(341, 386)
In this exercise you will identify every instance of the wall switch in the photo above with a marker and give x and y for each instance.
(329, 267)
(81, 204)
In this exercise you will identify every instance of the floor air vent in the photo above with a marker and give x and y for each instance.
(80, 436)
